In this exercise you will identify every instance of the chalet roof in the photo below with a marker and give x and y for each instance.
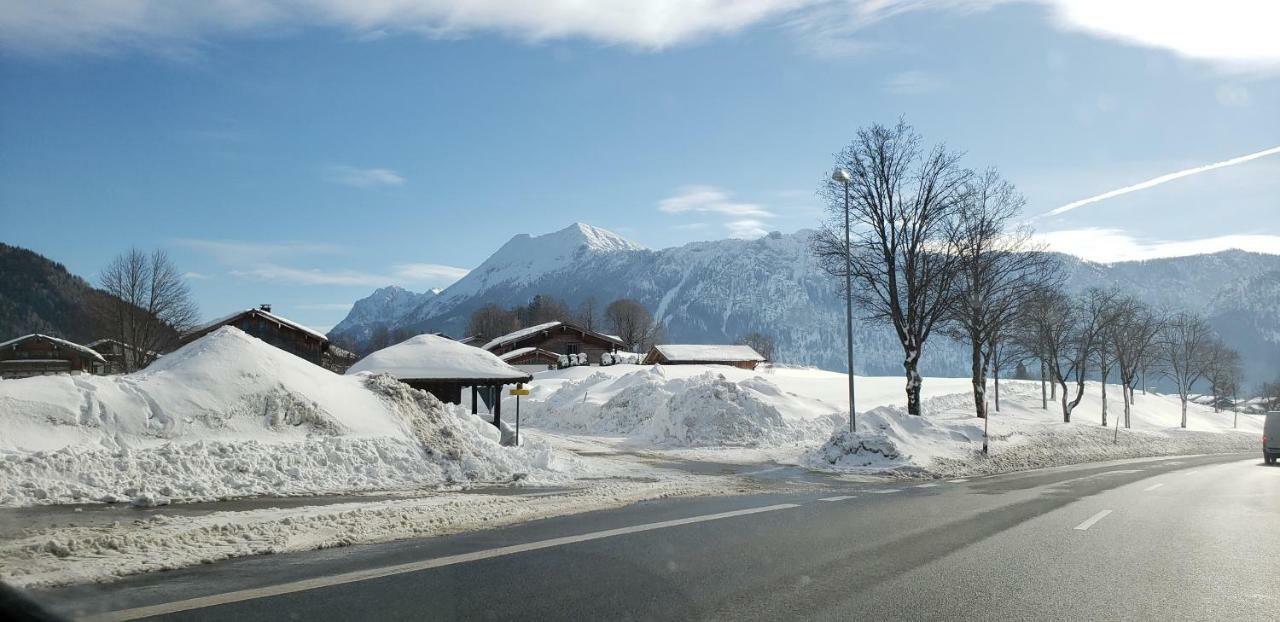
(429, 357)
(519, 352)
(533, 330)
(709, 353)
(226, 319)
(85, 350)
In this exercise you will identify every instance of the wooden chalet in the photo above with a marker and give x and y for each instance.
(744, 357)
(121, 357)
(443, 368)
(531, 359)
(557, 338)
(287, 335)
(42, 355)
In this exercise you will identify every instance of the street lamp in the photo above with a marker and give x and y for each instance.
(842, 176)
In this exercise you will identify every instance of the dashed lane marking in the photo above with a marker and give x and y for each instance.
(1152, 487)
(929, 485)
(1089, 522)
(957, 481)
(426, 564)
(885, 491)
(839, 498)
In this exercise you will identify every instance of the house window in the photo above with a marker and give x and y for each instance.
(571, 348)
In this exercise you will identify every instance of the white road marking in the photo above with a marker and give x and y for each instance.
(930, 485)
(426, 564)
(768, 470)
(957, 481)
(1192, 472)
(543, 494)
(1126, 471)
(1152, 487)
(1092, 519)
(885, 491)
(839, 498)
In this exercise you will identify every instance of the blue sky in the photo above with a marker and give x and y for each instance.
(303, 153)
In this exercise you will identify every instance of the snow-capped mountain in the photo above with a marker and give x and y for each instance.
(716, 291)
(389, 306)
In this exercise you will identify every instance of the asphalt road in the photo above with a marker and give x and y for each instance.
(1193, 538)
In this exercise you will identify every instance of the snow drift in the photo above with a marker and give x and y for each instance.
(229, 415)
(705, 410)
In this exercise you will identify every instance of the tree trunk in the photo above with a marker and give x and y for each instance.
(979, 380)
(995, 375)
(911, 364)
(1066, 405)
(1184, 411)
(1126, 390)
(1104, 400)
(1053, 390)
(1044, 396)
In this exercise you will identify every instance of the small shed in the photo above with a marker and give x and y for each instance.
(41, 355)
(744, 357)
(531, 359)
(557, 338)
(282, 333)
(442, 367)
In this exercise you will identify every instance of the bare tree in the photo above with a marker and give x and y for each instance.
(632, 323)
(1270, 394)
(1183, 346)
(542, 309)
(901, 200)
(1223, 371)
(998, 270)
(1003, 352)
(586, 315)
(149, 304)
(759, 342)
(1104, 351)
(1068, 332)
(1132, 336)
(491, 321)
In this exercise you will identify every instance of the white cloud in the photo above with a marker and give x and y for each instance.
(195, 276)
(1111, 245)
(314, 276)
(178, 26)
(1236, 34)
(364, 177)
(746, 228)
(1232, 95)
(708, 199)
(430, 272)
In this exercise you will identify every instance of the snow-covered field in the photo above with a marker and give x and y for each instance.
(798, 416)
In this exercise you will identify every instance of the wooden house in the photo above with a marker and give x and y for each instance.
(287, 335)
(121, 357)
(744, 357)
(557, 338)
(443, 368)
(40, 355)
(531, 359)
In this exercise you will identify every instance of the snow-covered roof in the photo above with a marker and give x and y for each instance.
(267, 314)
(429, 357)
(85, 350)
(708, 353)
(533, 330)
(518, 352)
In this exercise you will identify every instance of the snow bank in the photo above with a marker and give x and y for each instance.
(706, 410)
(229, 415)
(947, 440)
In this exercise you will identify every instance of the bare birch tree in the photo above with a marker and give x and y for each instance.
(902, 197)
(1132, 336)
(998, 269)
(1183, 347)
(149, 304)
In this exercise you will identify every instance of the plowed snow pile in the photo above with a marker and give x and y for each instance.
(706, 410)
(229, 415)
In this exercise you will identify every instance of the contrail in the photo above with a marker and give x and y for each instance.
(1156, 181)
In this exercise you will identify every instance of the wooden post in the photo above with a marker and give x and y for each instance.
(497, 406)
(474, 409)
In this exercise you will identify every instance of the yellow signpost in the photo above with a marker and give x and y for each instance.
(518, 391)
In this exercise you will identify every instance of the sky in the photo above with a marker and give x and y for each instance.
(305, 152)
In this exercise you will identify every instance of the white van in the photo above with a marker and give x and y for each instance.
(1271, 438)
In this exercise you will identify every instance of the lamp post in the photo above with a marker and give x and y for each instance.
(842, 176)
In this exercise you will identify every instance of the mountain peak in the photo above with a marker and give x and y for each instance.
(594, 238)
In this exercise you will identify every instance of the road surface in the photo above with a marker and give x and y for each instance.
(1171, 539)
